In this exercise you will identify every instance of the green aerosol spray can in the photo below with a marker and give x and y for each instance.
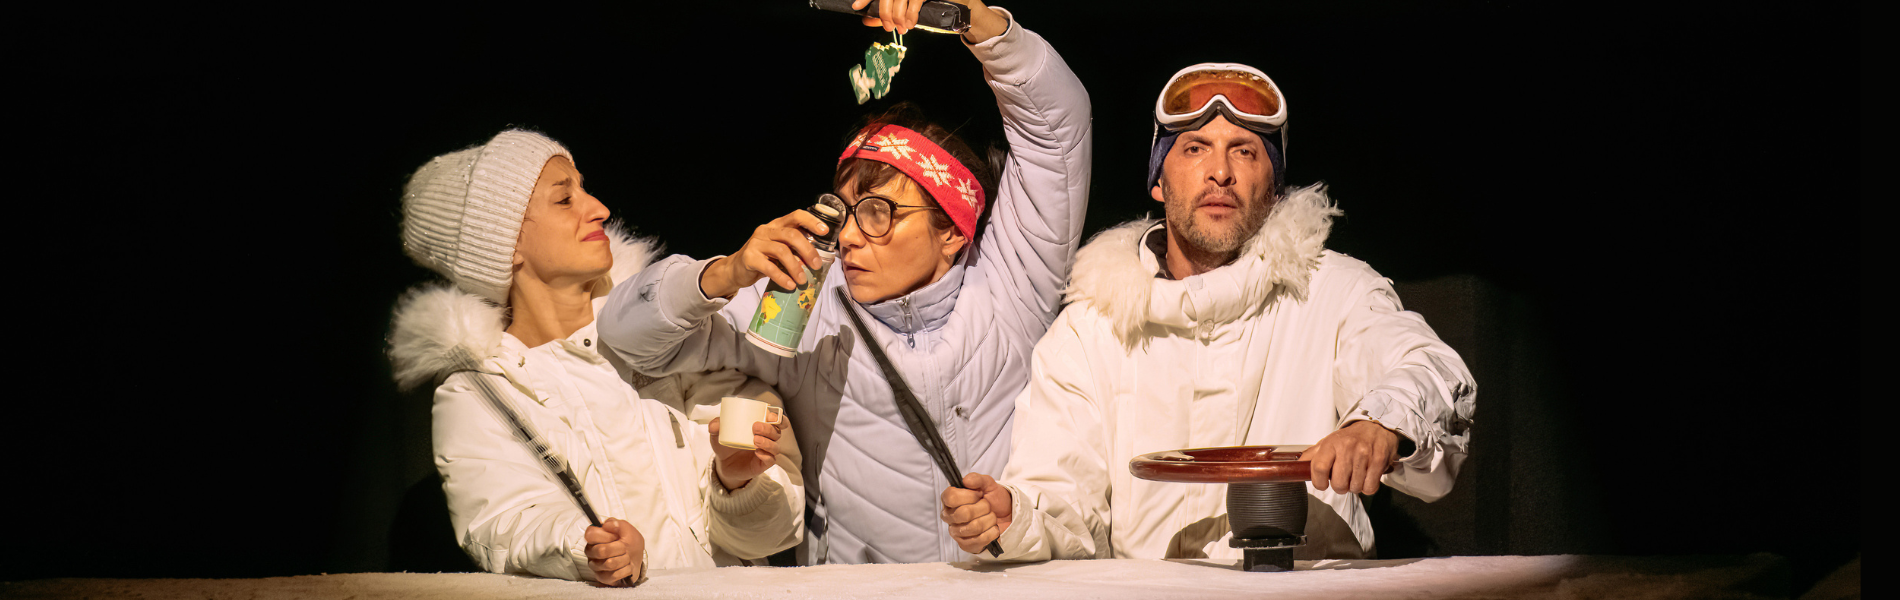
(780, 321)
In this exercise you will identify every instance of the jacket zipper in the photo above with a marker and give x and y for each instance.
(909, 339)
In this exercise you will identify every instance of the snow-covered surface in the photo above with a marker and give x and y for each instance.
(1753, 576)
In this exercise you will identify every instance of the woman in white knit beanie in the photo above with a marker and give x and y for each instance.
(530, 255)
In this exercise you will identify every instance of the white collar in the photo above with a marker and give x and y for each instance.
(1278, 260)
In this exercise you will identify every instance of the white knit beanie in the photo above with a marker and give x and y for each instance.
(461, 212)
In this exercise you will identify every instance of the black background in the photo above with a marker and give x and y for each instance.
(1667, 198)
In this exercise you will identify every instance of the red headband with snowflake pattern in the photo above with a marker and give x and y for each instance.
(949, 182)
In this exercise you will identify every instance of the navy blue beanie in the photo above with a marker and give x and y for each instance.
(1164, 144)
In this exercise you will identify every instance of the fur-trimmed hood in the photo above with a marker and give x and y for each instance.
(1115, 275)
(439, 329)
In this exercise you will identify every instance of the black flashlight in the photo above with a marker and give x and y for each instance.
(935, 15)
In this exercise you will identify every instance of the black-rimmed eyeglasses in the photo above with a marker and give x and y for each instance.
(874, 214)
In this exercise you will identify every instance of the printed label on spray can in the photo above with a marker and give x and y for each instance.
(780, 321)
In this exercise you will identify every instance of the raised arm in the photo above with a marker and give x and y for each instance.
(681, 315)
(661, 324)
(1042, 194)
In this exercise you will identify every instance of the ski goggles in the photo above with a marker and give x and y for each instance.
(1243, 94)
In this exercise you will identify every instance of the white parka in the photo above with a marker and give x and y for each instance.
(639, 460)
(1282, 347)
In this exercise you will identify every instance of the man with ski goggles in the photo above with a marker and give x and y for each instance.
(1227, 324)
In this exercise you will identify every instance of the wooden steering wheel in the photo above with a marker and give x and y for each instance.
(1232, 464)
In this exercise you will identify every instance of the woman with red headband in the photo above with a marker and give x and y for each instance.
(954, 265)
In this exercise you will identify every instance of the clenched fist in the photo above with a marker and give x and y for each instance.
(616, 552)
(978, 515)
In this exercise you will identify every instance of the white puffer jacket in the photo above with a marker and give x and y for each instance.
(1282, 347)
(639, 459)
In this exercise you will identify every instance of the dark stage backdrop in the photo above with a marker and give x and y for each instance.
(1642, 223)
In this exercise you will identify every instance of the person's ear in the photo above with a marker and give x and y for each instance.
(1156, 193)
(517, 260)
(953, 242)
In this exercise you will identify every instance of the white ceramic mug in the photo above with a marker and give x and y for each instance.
(736, 416)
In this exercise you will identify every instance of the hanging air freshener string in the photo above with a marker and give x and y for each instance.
(873, 78)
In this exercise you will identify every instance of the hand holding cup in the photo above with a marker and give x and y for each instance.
(745, 452)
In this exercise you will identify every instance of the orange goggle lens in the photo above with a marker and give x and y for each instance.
(1247, 92)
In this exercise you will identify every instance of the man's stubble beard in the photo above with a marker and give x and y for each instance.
(1207, 244)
